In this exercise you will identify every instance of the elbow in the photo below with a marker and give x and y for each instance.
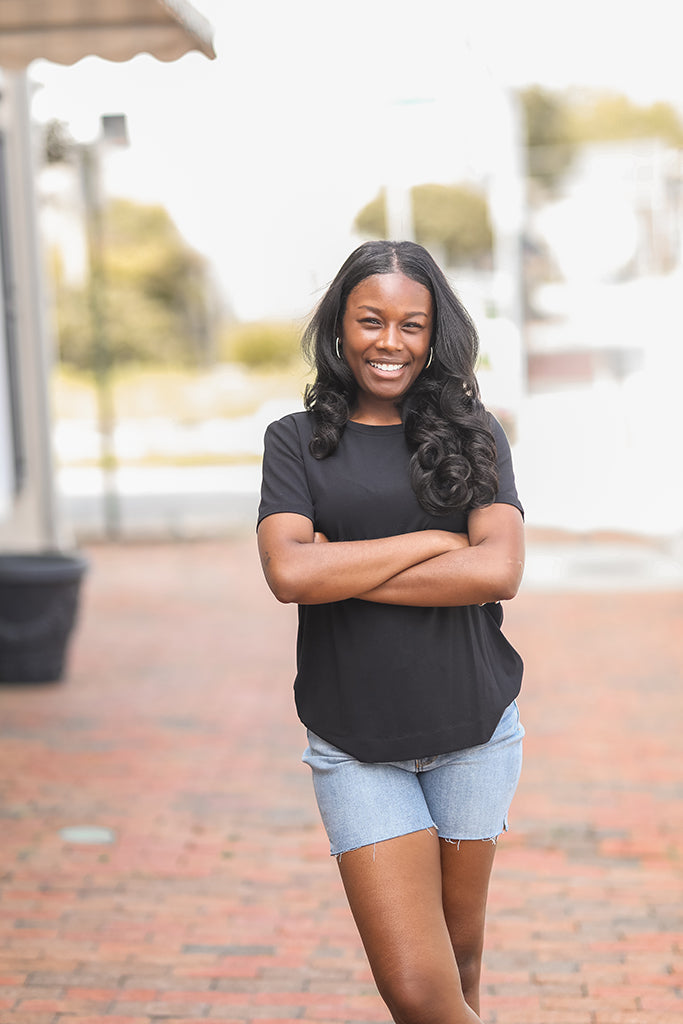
(510, 580)
(289, 567)
(502, 581)
(284, 594)
(291, 589)
(290, 582)
(283, 587)
(507, 593)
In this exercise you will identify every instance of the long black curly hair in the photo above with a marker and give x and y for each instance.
(453, 460)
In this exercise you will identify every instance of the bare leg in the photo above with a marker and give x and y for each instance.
(394, 890)
(466, 870)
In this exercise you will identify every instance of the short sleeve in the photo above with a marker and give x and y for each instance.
(507, 489)
(284, 485)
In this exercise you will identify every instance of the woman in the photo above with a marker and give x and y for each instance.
(389, 515)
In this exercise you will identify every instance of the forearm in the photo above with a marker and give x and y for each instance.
(470, 575)
(303, 572)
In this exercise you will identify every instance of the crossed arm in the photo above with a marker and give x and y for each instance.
(429, 568)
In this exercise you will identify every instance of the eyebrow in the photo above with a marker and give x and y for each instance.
(374, 309)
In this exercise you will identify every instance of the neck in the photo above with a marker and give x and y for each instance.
(375, 420)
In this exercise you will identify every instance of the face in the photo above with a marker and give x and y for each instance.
(386, 333)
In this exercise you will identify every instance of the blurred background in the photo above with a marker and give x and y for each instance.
(191, 214)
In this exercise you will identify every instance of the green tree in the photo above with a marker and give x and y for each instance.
(610, 116)
(557, 124)
(453, 218)
(156, 295)
(263, 345)
(549, 141)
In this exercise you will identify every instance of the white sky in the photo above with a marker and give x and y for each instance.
(264, 156)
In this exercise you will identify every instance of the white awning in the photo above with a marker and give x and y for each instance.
(64, 31)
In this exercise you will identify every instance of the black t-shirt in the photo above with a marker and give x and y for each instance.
(386, 682)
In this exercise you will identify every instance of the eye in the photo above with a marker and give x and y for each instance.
(413, 326)
(371, 320)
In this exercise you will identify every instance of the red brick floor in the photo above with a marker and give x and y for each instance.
(218, 900)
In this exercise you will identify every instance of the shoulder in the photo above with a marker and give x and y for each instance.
(495, 426)
(294, 424)
(498, 431)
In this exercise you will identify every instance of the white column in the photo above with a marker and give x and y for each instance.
(32, 523)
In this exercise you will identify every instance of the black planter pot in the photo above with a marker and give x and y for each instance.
(38, 608)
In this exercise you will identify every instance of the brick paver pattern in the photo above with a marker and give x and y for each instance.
(217, 899)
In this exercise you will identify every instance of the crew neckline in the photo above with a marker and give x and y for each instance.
(374, 428)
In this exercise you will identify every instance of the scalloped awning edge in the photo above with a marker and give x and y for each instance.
(173, 29)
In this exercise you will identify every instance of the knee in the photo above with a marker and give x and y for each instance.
(421, 998)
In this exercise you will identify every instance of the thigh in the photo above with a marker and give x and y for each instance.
(394, 890)
(360, 803)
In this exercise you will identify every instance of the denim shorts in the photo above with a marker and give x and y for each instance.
(463, 795)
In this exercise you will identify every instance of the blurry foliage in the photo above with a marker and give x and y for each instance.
(262, 345)
(550, 146)
(558, 123)
(58, 142)
(156, 295)
(608, 116)
(453, 218)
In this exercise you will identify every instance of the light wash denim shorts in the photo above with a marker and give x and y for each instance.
(463, 795)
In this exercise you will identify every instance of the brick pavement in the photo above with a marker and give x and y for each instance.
(218, 901)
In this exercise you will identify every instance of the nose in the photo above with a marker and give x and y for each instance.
(390, 339)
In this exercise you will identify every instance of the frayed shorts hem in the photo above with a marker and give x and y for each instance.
(432, 829)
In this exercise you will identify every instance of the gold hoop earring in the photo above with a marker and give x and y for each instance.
(336, 348)
(429, 361)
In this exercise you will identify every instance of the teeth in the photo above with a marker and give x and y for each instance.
(389, 367)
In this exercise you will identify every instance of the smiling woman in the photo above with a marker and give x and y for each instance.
(389, 514)
(448, 468)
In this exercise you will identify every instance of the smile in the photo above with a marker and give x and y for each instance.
(388, 367)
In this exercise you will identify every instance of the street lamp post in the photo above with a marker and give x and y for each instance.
(113, 132)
